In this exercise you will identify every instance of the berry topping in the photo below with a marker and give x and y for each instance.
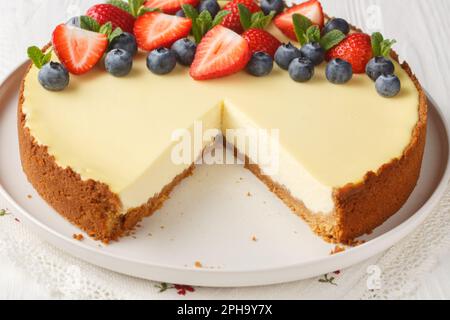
(311, 9)
(338, 71)
(212, 6)
(285, 54)
(53, 76)
(233, 21)
(301, 69)
(388, 85)
(221, 52)
(356, 49)
(118, 62)
(261, 40)
(260, 64)
(267, 6)
(103, 13)
(155, 29)
(336, 24)
(169, 6)
(184, 50)
(78, 50)
(125, 41)
(314, 52)
(161, 61)
(378, 66)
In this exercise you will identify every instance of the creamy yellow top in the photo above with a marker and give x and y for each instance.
(112, 129)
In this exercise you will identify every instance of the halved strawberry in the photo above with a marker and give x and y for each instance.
(156, 29)
(261, 40)
(170, 6)
(221, 52)
(103, 13)
(232, 20)
(78, 50)
(311, 9)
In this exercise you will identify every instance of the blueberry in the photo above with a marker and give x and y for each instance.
(337, 24)
(314, 52)
(301, 69)
(125, 41)
(184, 50)
(54, 76)
(272, 5)
(180, 13)
(161, 61)
(261, 64)
(388, 85)
(211, 5)
(339, 71)
(378, 66)
(118, 62)
(285, 54)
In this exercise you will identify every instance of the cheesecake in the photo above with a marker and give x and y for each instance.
(101, 151)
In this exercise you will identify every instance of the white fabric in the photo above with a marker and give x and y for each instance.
(31, 268)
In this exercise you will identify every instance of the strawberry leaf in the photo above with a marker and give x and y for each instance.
(331, 39)
(38, 57)
(245, 16)
(135, 6)
(301, 24)
(89, 24)
(120, 4)
(219, 17)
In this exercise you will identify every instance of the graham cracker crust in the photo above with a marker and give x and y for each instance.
(359, 208)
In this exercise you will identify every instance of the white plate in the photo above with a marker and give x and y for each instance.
(211, 218)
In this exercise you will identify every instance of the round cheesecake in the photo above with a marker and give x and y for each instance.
(100, 151)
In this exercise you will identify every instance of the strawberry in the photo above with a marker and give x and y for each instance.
(356, 49)
(103, 13)
(261, 40)
(221, 52)
(170, 6)
(78, 50)
(156, 29)
(311, 9)
(232, 20)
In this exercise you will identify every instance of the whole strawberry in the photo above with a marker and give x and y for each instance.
(104, 13)
(261, 40)
(356, 49)
(232, 20)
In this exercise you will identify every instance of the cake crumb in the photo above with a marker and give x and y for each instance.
(249, 194)
(162, 227)
(254, 238)
(78, 237)
(29, 196)
(337, 249)
(198, 264)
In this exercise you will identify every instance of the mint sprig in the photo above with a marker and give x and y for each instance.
(120, 4)
(306, 32)
(134, 7)
(381, 46)
(203, 22)
(87, 23)
(38, 57)
(257, 20)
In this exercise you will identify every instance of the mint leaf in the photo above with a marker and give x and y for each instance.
(106, 29)
(245, 16)
(219, 17)
(313, 34)
(38, 57)
(190, 11)
(376, 39)
(386, 46)
(117, 32)
(135, 6)
(120, 4)
(331, 39)
(144, 10)
(88, 23)
(301, 24)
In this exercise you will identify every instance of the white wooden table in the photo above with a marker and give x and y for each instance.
(420, 27)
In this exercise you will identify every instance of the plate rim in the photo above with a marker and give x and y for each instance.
(228, 277)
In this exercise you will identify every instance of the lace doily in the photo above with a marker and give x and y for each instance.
(399, 269)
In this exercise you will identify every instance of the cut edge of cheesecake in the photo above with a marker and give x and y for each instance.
(358, 208)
